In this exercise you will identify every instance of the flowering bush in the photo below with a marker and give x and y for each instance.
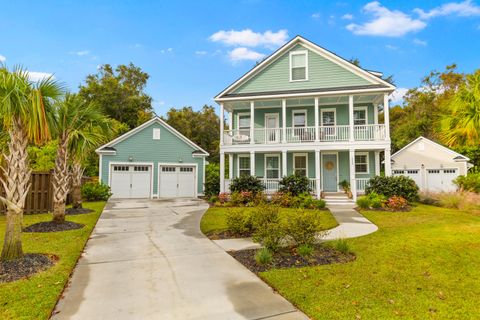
(396, 203)
(283, 199)
(223, 197)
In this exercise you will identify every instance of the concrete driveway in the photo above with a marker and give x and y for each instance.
(147, 259)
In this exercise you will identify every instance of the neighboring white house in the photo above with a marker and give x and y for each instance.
(432, 166)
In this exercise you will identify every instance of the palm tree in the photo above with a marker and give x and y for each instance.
(26, 111)
(78, 124)
(462, 125)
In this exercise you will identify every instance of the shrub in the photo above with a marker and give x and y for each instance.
(295, 185)
(267, 226)
(247, 183)
(223, 197)
(342, 245)
(282, 199)
(376, 200)
(92, 191)
(238, 221)
(263, 256)
(319, 204)
(393, 186)
(345, 185)
(305, 250)
(241, 198)
(470, 182)
(212, 179)
(397, 203)
(363, 202)
(213, 199)
(450, 199)
(303, 226)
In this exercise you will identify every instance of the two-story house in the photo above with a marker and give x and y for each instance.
(307, 111)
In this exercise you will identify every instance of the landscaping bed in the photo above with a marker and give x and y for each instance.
(52, 226)
(72, 211)
(30, 264)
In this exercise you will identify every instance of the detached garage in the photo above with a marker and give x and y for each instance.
(152, 161)
(432, 166)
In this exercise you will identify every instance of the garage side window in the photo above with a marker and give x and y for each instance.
(156, 133)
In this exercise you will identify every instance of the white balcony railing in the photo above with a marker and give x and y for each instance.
(334, 133)
(362, 184)
(268, 135)
(304, 134)
(236, 136)
(369, 132)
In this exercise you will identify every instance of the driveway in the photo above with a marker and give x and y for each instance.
(147, 259)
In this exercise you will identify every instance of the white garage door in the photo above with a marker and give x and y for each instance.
(441, 179)
(177, 181)
(415, 174)
(131, 181)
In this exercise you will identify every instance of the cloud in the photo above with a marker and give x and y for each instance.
(80, 53)
(2, 58)
(391, 47)
(385, 22)
(419, 42)
(347, 16)
(200, 52)
(37, 76)
(248, 38)
(398, 94)
(462, 9)
(243, 53)
(137, 45)
(315, 15)
(169, 50)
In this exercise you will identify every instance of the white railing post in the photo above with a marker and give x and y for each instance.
(222, 171)
(284, 120)
(317, 135)
(252, 122)
(386, 114)
(353, 183)
(222, 119)
(317, 174)
(284, 164)
(350, 117)
(252, 163)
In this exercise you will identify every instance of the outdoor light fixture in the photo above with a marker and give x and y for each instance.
(130, 158)
(180, 159)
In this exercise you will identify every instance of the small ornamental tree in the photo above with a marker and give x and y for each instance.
(247, 183)
(295, 185)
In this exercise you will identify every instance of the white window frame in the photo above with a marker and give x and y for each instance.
(367, 163)
(334, 116)
(156, 134)
(306, 162)
(363, 108)
(238, 120)
(272, 155)
(304, 111)
(299, 52)
(238, 164)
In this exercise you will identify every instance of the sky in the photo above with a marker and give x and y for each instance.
(192, 50)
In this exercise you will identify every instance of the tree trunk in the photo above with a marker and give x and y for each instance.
(60, 180)
(77, 174)
(16, 183)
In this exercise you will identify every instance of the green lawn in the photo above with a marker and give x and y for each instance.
(214, 220)
(423, 264)
(36, 297)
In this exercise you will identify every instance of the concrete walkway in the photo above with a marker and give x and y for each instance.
(351, 224)
(147, 259)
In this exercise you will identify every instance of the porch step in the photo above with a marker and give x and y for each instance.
(337, 198)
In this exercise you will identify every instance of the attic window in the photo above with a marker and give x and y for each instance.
(298, 65)
(156, 133)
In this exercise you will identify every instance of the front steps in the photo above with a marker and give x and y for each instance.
(337, 198)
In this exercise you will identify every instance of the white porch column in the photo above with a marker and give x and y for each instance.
(284, 120)
(252, 122)
(386, 114)
(350, 116)
(230, 120)
(252, 163)
(353, 180)
(230, 166)
(317, 174)
(377, 163)
(388, 162)
(284, 164)
(375, 114)
(222, 119)
(317, 135)
(222, 172)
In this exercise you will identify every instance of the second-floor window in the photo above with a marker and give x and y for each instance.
(299, 119)
(360, 117)
(298, 66)
(243, 121)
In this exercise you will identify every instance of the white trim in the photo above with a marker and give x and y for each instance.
(203, 177)
(328, 110)
(304, 111)
(326, 54)
(306, 162)
(100, 163)
(362, 153)
(238, 163)
(361, 108)
(298, 53)
(113, 163)
(433, 143)
(143, 126)
(238, 115)
(271, 114)
(321, 168)
(176, 164)
(271, 155)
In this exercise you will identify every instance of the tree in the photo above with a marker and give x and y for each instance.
(202, 127)
(42, 158)
(77, 122)
(120, 93)
(26, 111)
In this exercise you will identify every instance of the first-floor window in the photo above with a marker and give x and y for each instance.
(243, 166)
(300, 165)
(272, 167)
(361, 163)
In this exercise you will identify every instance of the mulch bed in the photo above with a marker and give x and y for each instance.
(227, 234)
(50, 226)
(288, 258)
(30, 264)
(72, 211)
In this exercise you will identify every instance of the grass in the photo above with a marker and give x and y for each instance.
(214, 220)
(423, 264)
(35, 298)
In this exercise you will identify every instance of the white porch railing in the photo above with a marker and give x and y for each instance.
(362, 184)
(236, 136)
(369, 132)
(312, 183)
(273, 185)
(267, 135)
(304, 134)
(334, 133)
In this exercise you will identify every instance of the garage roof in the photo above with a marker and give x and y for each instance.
(456, 156)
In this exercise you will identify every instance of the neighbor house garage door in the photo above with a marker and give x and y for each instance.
(176, 181)
(131, 181)
(441, 179)
(415, 174)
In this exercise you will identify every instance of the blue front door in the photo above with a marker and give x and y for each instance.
(329, 173)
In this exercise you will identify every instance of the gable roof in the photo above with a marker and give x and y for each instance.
(372, 76)
(456, 156)
(109, 149)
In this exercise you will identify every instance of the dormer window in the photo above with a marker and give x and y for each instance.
(298, 65)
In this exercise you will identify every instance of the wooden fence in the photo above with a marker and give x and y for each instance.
(40, 196)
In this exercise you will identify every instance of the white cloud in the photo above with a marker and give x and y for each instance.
(2, 58)
(347, 16)
(419, 42)
(385, 22)
(391, 47)
(37, 76)
(200, 52)
(463, 9)
(169, 50)
(80, 53)
(248, 38)
(243, 53)
(398, 94)
(137, 45)
(315, 15)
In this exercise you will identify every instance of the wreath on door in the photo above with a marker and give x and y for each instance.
(329, 165)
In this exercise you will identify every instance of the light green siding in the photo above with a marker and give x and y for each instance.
(141, 146)
(322, 73)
